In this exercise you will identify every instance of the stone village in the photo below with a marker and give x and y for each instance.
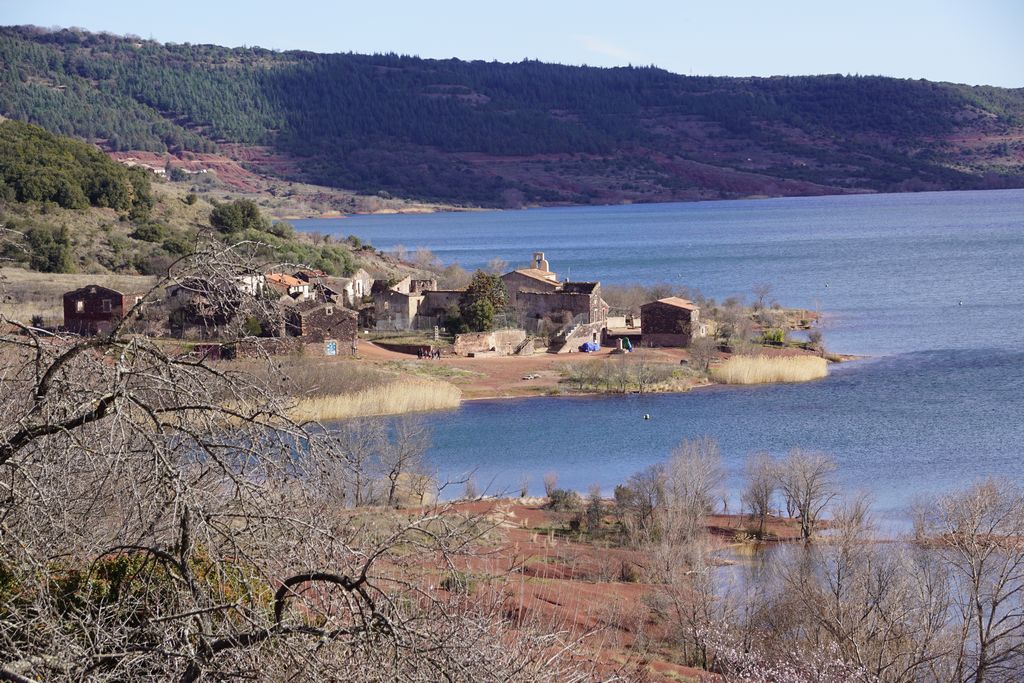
(326, 315)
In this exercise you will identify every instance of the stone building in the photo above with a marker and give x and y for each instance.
(94, 309)
(210, 307)
(537, 278)
(669, 322)
(540, 301)
(434, 307)
(289, 285)
(579, 302)
(318, 321)
(396, 305)
(347, 291)
(394, 310)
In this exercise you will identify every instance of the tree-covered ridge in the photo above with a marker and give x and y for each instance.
(36, 165)
(406, 125)
(52, 191)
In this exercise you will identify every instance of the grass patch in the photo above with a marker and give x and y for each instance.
(395, 398)
(25, 293)
(430, 370)
(768, 369)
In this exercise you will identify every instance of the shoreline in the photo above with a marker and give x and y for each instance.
(539, 376)
(331, 215)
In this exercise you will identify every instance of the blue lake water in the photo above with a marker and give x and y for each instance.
(930, 285)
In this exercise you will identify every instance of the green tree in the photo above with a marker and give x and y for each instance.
(282, 229)
(50, 250)
(241, 214)
(150, 232)
(484, 299)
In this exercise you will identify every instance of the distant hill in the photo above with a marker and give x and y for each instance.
(497, 134)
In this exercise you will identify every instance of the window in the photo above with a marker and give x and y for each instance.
(107, 306)
(79, 307)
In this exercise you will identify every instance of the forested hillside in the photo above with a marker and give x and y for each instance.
(66, 207)
(513, 134)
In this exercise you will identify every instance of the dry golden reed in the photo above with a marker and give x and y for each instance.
(394, 398)
(768, 369)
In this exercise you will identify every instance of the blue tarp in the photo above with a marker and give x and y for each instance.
(589, 347)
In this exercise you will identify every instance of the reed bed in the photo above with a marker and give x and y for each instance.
(394, 398)
(768, 369)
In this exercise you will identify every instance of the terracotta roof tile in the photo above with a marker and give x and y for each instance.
(678, 303)
(283, 279)
(537, 274)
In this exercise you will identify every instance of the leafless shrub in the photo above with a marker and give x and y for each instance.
(806, 479)
(693, 477)
(703, 350)
(636, 502)
(761, 291)
(162, 518)
(979, 535)
(550, 483)
(759, 491)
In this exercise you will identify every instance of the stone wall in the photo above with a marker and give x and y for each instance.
(394, 310)
(437, 302)
(516, 283)
(536, 306)
(501, 342)
(411, 349)
(258, 347)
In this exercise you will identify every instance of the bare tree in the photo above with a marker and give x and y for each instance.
(524, 486)
(620, 374)
(759, 490)
(497, 266)
(978, 534)
(636, 502)
(762, 291)
(162, 518)
(806, 479)
(360, 443)
(471, 492)
(881, 608)
(402, 458)
(595, 509)
(693, 476)
(424, 259)
(400, 252)
(550, 483)
(816, 340)
(691, 602)
(703, 350)
(643, 372)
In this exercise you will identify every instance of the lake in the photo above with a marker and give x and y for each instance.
(929, 285)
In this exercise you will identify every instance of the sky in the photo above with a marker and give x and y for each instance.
(963, 41)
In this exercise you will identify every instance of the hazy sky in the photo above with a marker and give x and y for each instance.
(965, 41)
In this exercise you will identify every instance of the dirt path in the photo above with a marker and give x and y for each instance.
(511, 376)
